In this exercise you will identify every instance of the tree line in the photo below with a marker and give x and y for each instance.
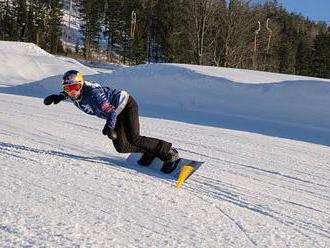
(229, 33)
(37, 21)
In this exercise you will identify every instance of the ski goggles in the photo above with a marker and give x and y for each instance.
(72, 87)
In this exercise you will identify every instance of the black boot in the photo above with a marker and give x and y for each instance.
(146, 159)
(171, 162)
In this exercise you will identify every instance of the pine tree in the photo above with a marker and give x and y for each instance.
(91, 15)
(20, 13)
(321, 56)
(167, 30)
(303, 55)
(38, 10)
(285, 50)
(8, 27)
(54, 32)
(112, 24)
(117, 22)
(283, 57)
(136, 43)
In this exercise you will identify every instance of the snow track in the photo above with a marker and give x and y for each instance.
(63, 184)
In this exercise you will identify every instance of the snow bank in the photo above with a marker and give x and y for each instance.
(247, 76)
(181, 90)
(25, 62)
(222, 97)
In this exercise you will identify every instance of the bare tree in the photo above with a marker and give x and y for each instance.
(200, 20)
(237, 24)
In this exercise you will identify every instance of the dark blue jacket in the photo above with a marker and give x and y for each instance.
(104, 102)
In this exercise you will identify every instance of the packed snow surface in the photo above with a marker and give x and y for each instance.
(265, 139)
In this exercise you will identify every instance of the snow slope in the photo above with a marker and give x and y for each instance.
(62, 184)
(25, 62)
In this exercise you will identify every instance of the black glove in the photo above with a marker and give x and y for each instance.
(112, 134)
(53, 99)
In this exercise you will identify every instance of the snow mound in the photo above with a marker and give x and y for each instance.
(26, 62)
(247, 76)
(178, 92)
(19, 48)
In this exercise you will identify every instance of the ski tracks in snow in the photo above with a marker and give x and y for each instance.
(304, 213)
(59, 189)
(279, 181)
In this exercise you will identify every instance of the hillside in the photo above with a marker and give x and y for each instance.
(264, 137)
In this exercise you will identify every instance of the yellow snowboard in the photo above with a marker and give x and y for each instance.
(184, 169)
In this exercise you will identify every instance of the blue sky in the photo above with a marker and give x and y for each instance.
(317, 10)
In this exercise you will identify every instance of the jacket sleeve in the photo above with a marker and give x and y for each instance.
(107, 109)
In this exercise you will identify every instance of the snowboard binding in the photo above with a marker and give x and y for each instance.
(146, 159)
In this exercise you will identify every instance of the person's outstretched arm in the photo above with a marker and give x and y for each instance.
(55, 98)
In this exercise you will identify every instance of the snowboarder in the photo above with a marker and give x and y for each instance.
(122, 118)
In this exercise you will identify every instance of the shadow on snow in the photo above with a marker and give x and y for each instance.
(108, 161)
